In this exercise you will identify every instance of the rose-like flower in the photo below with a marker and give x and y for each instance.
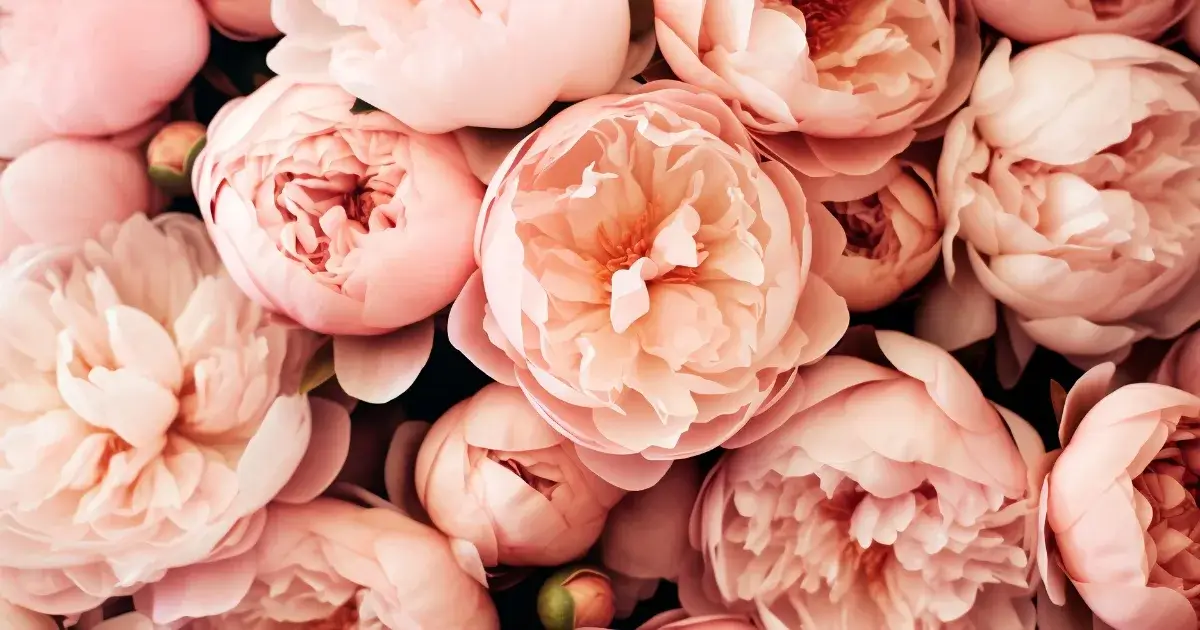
(17, 618)
(649, 280)
(893, 231)
(893, 497)
(149, 411)
(64, 191)
(1119, 510)
(349, 223)
(1069, 178)
(332, 565)
(242, 20)
(80, 68)
(1036, 21)
(492, 472)
(441, 65)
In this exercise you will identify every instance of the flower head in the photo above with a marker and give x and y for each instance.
(1036, 21)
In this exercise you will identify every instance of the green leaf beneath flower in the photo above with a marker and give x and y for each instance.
(319, 369)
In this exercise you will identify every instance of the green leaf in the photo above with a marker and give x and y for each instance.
(319, 369)
(189, 161)
(556, 607)
(362, 107)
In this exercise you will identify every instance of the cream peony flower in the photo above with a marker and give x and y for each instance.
(148, 411)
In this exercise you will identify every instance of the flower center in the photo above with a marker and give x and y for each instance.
(542, 485)
(866, 224)
(631, 244)
(344, 618)
(823, 19)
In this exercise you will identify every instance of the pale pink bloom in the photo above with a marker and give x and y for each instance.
(646, 537)
(81, 68)
(1036, 21)
(893, 231)
(1118, 512)
(679, 620)
(17, 618)
(1070, 178)
(243, 20)
(646, 281)
(893, 497)
(349, 223)
(332, 565)
(492, 472)
(150, 410)
(439, 65)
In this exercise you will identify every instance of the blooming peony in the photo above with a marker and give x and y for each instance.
(1036, 21)
(332, 565)
(492, 472)
(1070, 179)
(893, 497)
(1119, 506)
(80, 67)
(349, 223)
(149, 411)
(646, 281)
(439, 65)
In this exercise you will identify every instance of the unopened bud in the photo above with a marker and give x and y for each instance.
(172, 153)
(576, 597)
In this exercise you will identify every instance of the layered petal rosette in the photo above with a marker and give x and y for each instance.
(646, 281)
(149, 411)
(1071, 180)
(1036, 21)
(894, 496)
(349, 223)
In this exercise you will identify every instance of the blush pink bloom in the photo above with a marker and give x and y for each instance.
(492, 472)
(349, 223)
(149, 412)
(242, 20)
(679, 620)
(64, 191)
(1119, 509)
(440, 65)
(893, 231)
(1068, 178)
(893, 497)
(1036, 21)
(646, 281)
(80, 67)
(332, 565)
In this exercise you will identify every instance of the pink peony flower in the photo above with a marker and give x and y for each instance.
(149, 412)
(1036, 21)
(440, 65)
(893, 497)
(646, 281)
(242, 20)
(493, 473)
(1068, 178)
(349, 223)
(1119, 508)
(103, 184)
(332, 565)
(80, 67)
(679, 620)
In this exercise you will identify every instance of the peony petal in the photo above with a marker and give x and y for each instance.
(327, 452)
(378, 369)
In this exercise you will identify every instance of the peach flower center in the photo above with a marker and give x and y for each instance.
(823, 20)
(543, 477)
(1167, 498)
(867, 224)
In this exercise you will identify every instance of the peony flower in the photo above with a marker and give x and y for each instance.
(1119, 506)
(103, 184)
(349, 223)
(1069, 179)
(440, 65)
(575, 597)
(1036, 21)
(80, 67)
(17, 618)
(893, 497)
(646, 281)
(149, 411)
(242, 20)
(893, 231)
(492, 472)
(335, 565)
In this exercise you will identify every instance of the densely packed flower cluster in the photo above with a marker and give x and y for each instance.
(598, 314)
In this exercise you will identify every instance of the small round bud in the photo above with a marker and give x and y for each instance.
(576, 597)
(172, 152)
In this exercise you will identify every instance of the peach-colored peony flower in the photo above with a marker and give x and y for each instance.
(242, 20)
(64, 191)
(149, 410)
(1036, 21)
(1069, 178)
(650, 281)
(1119, 505)
(894, 497)
(349, 223)
(893, 231)
(80, 67)
(493, 473)
(332, 565)
(439, 65)
(679, 620)
(17, 618)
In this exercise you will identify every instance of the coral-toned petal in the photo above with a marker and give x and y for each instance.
(327, 452)
(466, 333)
(399, 476)
(201, 590)
(628, 472)
(378, 369)
(1134, 607)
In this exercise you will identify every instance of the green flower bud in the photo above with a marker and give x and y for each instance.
(576, 597)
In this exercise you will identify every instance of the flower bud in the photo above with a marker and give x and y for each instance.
(172, 152)
(576, 597)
